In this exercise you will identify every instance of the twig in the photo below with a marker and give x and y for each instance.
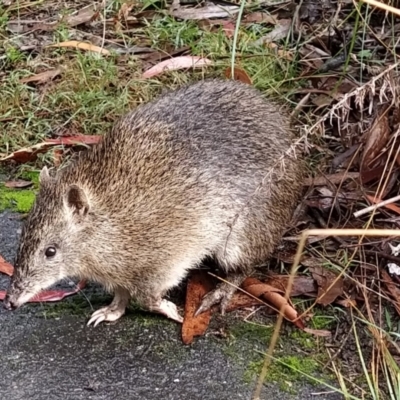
(375, 206)
(382, 6)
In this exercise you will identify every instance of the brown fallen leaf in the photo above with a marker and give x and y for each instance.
(238, 75)
(329, 285)
(18, 184)
(280, 31)
(392, 289)
(302, 285)
(318, 332)
(50, 295)
(371, 174)
(242, 300)
(376, 139)
(124, 11)
(5, 267)
(42, 77)
(275, 297)
(199, 284)
(346, 302)
(259, 17)
(29, 153)
(208, 11)
(81, 45)
(176, 63)
(84, 15)
(377, 200)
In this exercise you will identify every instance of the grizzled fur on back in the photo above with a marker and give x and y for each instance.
(206, 170)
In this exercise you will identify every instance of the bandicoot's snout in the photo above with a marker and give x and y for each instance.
(9, 304)
(16, 296)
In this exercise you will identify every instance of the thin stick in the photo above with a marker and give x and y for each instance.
(375, 206)
(382, 6)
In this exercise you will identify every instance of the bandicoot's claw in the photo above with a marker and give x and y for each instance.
(109, 314)
(222, 295)
(168, 309)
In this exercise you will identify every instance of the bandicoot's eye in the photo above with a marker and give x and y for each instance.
(50, 252)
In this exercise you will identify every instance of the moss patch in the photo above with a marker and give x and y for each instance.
(16, 200)
(285, 371)
(19, 200)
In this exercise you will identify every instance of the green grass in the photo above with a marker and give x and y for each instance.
(94, 90)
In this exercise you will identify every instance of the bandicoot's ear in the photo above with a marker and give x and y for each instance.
(76, 200)
(44, 176)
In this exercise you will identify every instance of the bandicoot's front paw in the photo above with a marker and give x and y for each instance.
(109, 313)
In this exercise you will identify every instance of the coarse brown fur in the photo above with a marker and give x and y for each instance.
(207, 170)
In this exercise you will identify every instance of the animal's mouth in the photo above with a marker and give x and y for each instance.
(15, 301)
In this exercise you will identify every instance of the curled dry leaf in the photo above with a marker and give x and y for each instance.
(238, 75)
(330, 286)
(273, 296)
(176, 63)
(318, 332)
(5, 267)
(18, 184)
(29, 153)
(199, 284)
(81, 45)
(376, 139)
(42, 77)
(208, 11)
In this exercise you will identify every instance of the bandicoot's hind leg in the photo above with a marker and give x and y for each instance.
(162, 306)
(114, 311)
(222, 294)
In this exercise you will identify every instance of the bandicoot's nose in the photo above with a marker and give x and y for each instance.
(8, 304)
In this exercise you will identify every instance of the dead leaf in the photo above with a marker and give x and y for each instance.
(369, 175)
(274, 296)
(346, 302)
(84, 15)
(50, 295)
(199, 284)
(393, 289)
(209, 11)
(260, 18)
(287, 55)
(176, 63)
(242, 300)
(42, 77)
(280, 31)
(238, 75)
(81, 45)
(124, 11)
(18, 184)
(5, 267)
(329, 285)
(376, 139)
(29, 153)
(302, 285)
(318, 332)
(228, 28)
